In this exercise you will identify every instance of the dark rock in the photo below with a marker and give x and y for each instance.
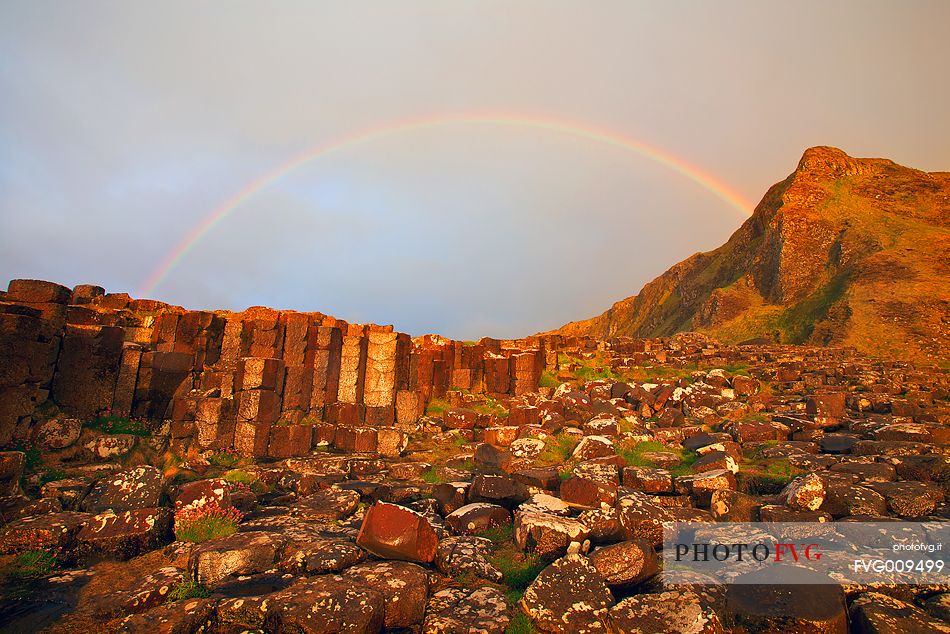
(182, 617)
(568, 596)
(137, 488)
(404, 586)
(809, 603)
(326, 604)
(625, 564)
(123, 535)
(669, 612)
(467, 555)
(477, 518)
(878, 613)
(457, 610)
(241, 553)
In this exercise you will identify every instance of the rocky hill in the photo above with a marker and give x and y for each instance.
(845, 251)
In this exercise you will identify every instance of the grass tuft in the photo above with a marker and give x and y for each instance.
(498, 535)
(558, 449)
(187, 590)
(431, 476)
(634, 456)
(518, 568)
(520, 624)
(109, 423)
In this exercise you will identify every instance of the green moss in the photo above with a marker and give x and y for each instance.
(595, 368)
(658, 373)
(766, 476)
(491, 407)
(431, 476)
(558, 449)
(437, 407)
(737, 368)
(239, 476)
(187, 590)
(548, 379)
(514, 596)
(634, 456)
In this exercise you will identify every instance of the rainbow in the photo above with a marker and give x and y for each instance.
(573, 128)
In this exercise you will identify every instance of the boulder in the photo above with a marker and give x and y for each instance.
(912, 500)
(569, 596)
(57, 433)
(648, 480)
(404, 586)
(805, 493)
(842, 500)
(466, 555)
(391, 531)
(149, 592)
(670, 612)
(191, 615)
(324, 604)
(54, 531)
(548, 536)
(727, 505)
(878, 613)
(642, 519)
(603, 525)
(11, 470)
(626, 564)
(200, 493)
(497, 489)
(450, 496)
(137, 488)
(237, 554)
(477, 518)
(593, 447)
(702, 485)
(456, 610)
(587, 492)
(123, 535)
(111, 445)
(318, 555)
(326, 505)
(810, 602)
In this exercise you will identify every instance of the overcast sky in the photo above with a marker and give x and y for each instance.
(124, 123)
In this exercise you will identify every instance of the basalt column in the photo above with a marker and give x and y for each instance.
(258, 382)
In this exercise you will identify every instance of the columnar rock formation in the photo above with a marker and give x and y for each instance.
(264, 382)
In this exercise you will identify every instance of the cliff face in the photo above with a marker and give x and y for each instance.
(844, 251)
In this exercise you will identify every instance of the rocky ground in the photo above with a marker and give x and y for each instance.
(502, 513)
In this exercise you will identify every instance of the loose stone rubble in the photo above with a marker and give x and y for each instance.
(375, 482)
